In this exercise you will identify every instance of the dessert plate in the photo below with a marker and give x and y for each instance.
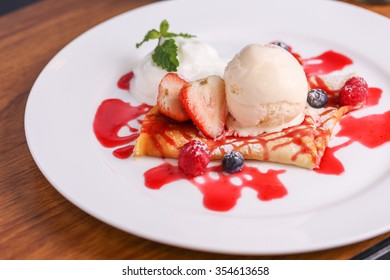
(319, 212)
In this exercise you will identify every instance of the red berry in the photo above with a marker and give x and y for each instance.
(205, 103)
(194, 158)
(354, 92)
(168, 97)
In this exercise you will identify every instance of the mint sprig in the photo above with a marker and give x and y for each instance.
(165, 53)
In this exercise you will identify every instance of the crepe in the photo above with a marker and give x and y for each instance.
(301, 145)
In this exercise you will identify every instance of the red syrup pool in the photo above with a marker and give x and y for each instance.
(124, 81)
(325, 63)
(329, 163)
(221, 192)
(111, 116)
(371, 131)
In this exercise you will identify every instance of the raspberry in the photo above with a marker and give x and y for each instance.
(194, 158)
(354, 92)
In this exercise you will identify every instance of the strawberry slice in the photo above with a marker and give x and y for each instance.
(168, 97)
(205, 102)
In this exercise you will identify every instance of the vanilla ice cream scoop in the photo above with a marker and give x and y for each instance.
(196, 60)
(266, 90)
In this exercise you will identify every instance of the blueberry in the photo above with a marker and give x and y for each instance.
(233, 162)
(317, 98)
(282, 45)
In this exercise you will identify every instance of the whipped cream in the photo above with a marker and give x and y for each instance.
(197, 60)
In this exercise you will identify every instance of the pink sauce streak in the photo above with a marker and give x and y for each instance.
(325, 63)
(111, 116)
(124, 81)
(221, 194)
(373, 96)
(329, 163)
(371, 131)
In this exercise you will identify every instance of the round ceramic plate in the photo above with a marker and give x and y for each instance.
(320, 211)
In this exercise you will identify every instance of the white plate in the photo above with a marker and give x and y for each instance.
(320, 211)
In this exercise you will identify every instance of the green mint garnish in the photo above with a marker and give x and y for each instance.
(165, 53)
(165, 56)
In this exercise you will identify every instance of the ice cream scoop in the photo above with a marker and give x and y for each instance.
(266, 90)
(196, 60)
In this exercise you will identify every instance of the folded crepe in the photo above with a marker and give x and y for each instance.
(301, 145)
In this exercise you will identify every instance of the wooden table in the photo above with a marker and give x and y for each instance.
(36, 222)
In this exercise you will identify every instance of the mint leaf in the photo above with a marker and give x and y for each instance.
(152, 34)
(164, 26)
(184, 35)
(165, 56)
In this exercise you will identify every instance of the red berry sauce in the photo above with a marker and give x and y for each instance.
(124, 81)
(111, 116)
(221, 194)
(370, 131)
(373, 96)
(325, 63)
(329, 163)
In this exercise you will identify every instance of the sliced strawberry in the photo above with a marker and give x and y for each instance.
(205, 102)
(168, 101)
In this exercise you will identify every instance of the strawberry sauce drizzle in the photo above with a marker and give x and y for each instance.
(124, 81)
(111, 116)
(325, 63)
(373, 96)
(371, 131)
(329, 163)
(124, 152)
(221, 194)
(159, 128)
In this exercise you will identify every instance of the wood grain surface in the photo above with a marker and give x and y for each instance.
(36, 222)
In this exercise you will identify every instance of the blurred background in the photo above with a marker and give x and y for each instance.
(10, 5)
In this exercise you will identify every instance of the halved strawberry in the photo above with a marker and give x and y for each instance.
(168, 101)
(205, 102)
